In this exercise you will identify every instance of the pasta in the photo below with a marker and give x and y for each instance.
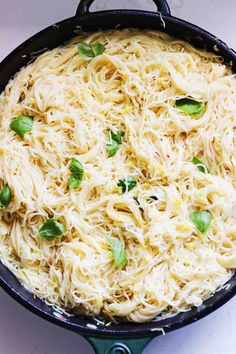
(133, 86)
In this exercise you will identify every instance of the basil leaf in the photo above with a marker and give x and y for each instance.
(117, 136)
(77, 173)
(201, 219)
(112, 148)
(127, 184)
(200, 165)
(114, 140)
(76, 168)
(88, 51)
(190, 106)
(22, 125)
(74, 182)
(5, 196)
(51, 228)
(118, 252)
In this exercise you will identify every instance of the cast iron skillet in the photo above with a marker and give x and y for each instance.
(125, 338)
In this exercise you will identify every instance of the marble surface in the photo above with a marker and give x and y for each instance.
(22, 332)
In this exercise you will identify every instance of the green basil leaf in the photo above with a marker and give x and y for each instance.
(118, 252)
(190, 106)
(127, 184)
(77, 173)
(5, 196)
(74, 182)
(76, 168)
(117, 136)
(22, 125)
(200, 165)
(88, 51)
(112, 148)
(114, 140)
(51, 228)
(201, 219)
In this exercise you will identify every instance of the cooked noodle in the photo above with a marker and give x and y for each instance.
(133, 87)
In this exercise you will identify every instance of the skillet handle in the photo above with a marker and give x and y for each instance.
(116, 346)
(84, 5)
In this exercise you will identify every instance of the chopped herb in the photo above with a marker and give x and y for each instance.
(114, 140)
(51, 228)
(153, 197)
(200, 165)
(88, 51)
(190, 106)
(77, 174)
(118, 252)
(5, 196)
(201, 219)
(22, 125)
(137, 201)
(127, 184)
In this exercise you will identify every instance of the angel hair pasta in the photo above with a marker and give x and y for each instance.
(118, 175)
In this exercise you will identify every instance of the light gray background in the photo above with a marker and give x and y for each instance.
(22, 332)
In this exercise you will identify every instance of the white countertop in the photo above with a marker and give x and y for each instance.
(22, 332)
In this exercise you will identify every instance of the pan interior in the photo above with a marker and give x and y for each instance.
(50, 38)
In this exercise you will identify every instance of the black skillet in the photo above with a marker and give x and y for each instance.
(125, 338)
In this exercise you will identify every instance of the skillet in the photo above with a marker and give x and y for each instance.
(122, 338)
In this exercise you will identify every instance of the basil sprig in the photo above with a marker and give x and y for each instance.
(190, 106)
(88, 51)
(22, 125)
(127, 184)
(113, 142)
(118, 252)
(51, 228)
(77, 174)
(201, 219)
(200, 165)
(5, 196)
